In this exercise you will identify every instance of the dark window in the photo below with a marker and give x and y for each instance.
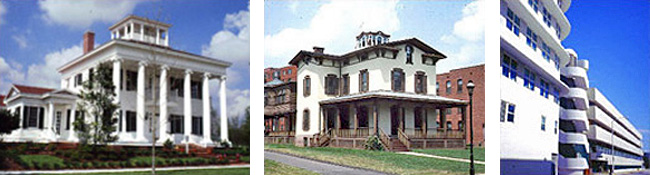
(419, 117)
(362, 116)
(512, 22)
(460, 125)
(119, 124)
(176, 86)
(197, 125)
(509, 67)
(41, 116)
(345, 81)
(130, 121)
(363, 80)
(543, 123)
(176, 122)
(409, 54)
(397, 80)
(437, 88)
(78, 80)
(305, 120)
(306, 83)
(331, 85)
(421, 83)
(30, 116)
(459, 84)
(448, 125)
(529, 79)
(67, 120)
(131, 80)
(448, 90)
(196, 89)
(90, 76)
(507, 112)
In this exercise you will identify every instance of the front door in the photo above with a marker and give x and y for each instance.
(394, 120)
(331, 118)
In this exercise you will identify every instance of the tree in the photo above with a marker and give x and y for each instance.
(9, 122)
(97, 99)
(238, 132)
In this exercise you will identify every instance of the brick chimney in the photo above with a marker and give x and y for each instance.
(89, 41)
(318, 49)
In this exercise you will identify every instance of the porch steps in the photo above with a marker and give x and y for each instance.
(397, 146)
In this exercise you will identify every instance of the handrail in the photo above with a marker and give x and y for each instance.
(352, 133)
(383, 137)
(403, 138)
(281, 133)
(324, 137)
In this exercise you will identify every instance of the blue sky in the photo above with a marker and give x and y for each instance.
(36, 37)
(455, 28)
(615, 38)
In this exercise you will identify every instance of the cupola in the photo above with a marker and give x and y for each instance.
(367, 39)
(141, 29)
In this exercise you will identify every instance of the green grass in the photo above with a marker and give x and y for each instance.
(379, 160)
(479, 153)
(275, 168)
(228, 171)
(245, 158)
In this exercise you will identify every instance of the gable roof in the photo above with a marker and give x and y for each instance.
(32, 89)
(428, 50)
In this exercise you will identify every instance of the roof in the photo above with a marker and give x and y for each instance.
(32, 89)
(138, 18)
(428, 50)
(404, 96)
(373, 33)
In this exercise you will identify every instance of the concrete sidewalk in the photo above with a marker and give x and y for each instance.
(316, 166)
(124, 170)
(440, 157)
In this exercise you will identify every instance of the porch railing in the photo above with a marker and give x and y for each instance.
(351, 133)
(324, 138)
(281, 133)
(435, 133)
(403, 138)
(385, 139)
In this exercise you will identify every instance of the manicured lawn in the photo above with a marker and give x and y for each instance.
(379, 160)
(479, 153)
(275, 168)
(229, 171)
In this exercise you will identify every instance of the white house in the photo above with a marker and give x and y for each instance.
(144, 66)
(384, 88)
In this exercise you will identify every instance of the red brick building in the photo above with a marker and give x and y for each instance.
(286, 74)
(453, 84)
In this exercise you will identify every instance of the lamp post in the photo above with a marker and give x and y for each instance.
(470, 91)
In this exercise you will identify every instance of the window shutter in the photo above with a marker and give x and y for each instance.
(24, 117)
(41, 116)
(67, 121)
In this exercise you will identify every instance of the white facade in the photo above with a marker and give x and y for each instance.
(143, 69)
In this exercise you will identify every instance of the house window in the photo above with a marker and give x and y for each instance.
(119, 124)
(197, 125)
(418, 115)
(507, 112)
(543, 123)
(306, 84)
(331, 85)
(512, 22)
(305, 120)
(90, 76)
(531, 39)
(176, 122)
(437, 88)
(509, 67)
(459, 87)
(131, 80)
(543, 88)
(176, 86)
(448, 90)
(196, 89)
(534, 4)
(345, 81)
(290, 71)
(448, 125)
(130, 121)
(409, 54)
(555, 129)
(57, 122)
(421, 83)
(529, 79)
(31, 116)
(556, 94)
(280, 96)
(397, 80)
(364, 80)
(67, 120)
(447, 111)
(78, 80)
(460, 125)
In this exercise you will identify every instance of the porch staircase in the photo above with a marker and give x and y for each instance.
(397, 146)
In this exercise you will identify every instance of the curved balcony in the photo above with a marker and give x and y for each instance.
(578, 74)
(565, 5)
(579, 117)
(574, 138)
(572, 165)
(579, 97)
(583, 64)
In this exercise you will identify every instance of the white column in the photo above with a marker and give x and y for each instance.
(163, 104)
(157, 36)
(132, 31)
(141, 32)
(117, 69)
(72, 136)
(187, 103)
(140, 103)
(125, 34)
(222, 108)
(167, 37)
(50, 117)
(206, 110)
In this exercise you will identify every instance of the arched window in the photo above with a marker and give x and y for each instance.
(448, 87)
(421, 83)
(460, 86)
(305, 120)
(397, 82)
(306, 86)
(409, 54)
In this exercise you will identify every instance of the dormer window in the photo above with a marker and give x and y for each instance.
(409, 54)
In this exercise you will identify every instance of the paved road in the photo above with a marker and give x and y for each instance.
(315, 166)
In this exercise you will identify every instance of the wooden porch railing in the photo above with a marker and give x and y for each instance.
(324, 138)
(385, 139)
(403, 138)
(282, 133)
(435, 133)
(351, 133)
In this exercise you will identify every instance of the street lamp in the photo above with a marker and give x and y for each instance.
(470, 91)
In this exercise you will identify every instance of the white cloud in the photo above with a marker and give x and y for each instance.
(293, 6)
(20, 40)
(232, 44)
(334, 27)
(467, 38)
(82, 14)
(46, 74)
(9, 74)
(3, 11)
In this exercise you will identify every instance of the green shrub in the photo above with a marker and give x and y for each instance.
(168, 144)
(373, 143)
